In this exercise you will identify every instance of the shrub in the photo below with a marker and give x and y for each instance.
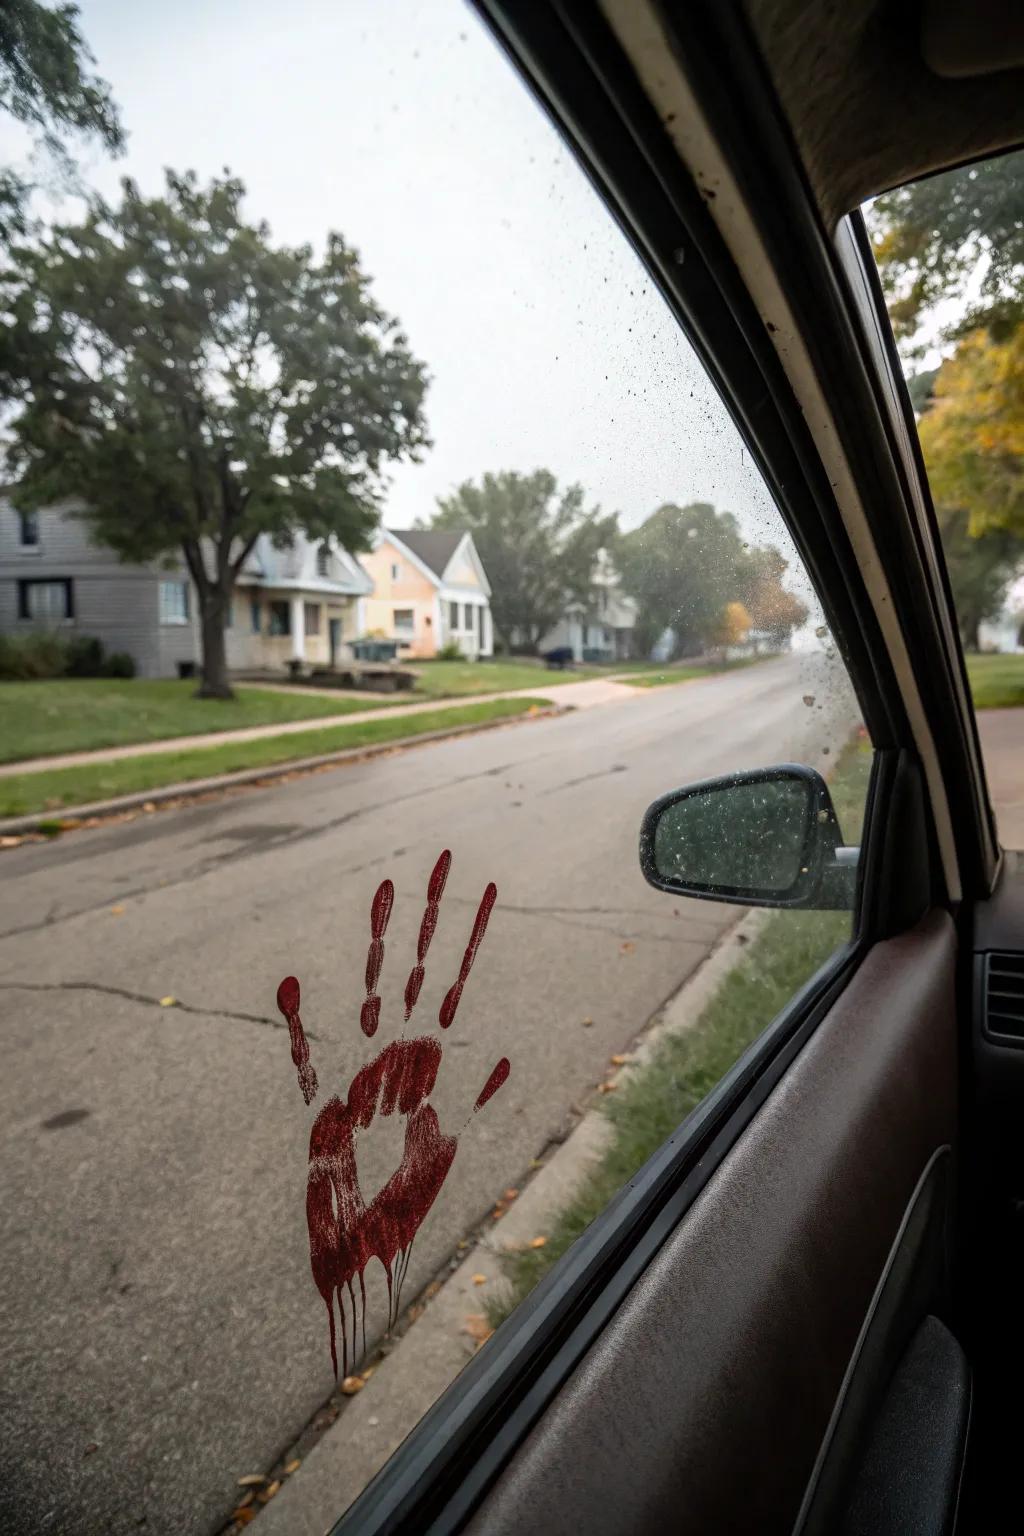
(84, 657)
(119, 664)
(38, 654)
(449, 652)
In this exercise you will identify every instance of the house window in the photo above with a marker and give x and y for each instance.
(47, 602)
(254, 615)
(280, 618)
(229, 616)
(28, 530)
(454, 615)
(312, 618)
(404, 622)
(396, 571)
(323, 555)
(174, 602)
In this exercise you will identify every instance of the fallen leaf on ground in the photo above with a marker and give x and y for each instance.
(537, 1242)
(627, 947)
(510, 1194)
(266, 1494)
(243, 1516)
(607, 1087)
(246, 1499)
(118, 910)
(251, 1480)
(293, 1466)
(353, 1384)
(536, 1162)
(619, 1061)
(9, 842)
(149, 806)
(432, 1289)
(415, 1311)
(478, 1328)
(479, 1279)
(587, 1022)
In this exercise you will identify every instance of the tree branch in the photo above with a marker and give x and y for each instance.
(236, 565)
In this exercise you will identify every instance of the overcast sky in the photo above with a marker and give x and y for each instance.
(402, 125)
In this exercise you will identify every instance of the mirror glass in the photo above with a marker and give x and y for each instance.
(749, 836)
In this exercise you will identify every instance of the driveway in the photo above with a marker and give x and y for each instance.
(160, 1328)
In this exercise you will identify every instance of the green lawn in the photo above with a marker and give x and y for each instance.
(56, 789)
(997, 682)
(77, 714)
(652, 1101)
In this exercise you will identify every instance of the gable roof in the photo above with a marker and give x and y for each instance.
(434, 546)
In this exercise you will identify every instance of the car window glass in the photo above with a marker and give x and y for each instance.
(372, 473)
(951, 258)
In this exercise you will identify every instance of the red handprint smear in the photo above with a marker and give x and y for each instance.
(344, 1232)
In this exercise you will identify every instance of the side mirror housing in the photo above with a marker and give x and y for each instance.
(764, 838)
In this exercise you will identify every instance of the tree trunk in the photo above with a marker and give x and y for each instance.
(212, 613)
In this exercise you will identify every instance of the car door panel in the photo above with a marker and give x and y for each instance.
(705, 1401)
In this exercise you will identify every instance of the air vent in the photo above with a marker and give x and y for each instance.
(1004, 995)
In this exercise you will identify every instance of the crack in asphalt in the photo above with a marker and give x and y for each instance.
(152, 1002)
(602, 773)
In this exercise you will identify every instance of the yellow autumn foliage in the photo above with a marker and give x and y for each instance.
(973, 435)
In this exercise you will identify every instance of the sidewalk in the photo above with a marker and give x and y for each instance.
(1002, 745)
(580, 695)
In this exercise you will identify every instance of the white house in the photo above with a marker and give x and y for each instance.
(601, 630)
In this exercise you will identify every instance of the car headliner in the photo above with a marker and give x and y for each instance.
(868, 111)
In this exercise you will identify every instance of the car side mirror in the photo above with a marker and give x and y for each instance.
(765, 838)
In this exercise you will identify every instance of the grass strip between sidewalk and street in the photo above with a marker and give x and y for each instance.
(651, 1103)
(58, 789)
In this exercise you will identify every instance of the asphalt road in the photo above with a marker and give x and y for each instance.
(159, 1327)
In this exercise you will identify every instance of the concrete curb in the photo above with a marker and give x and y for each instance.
(434, 1349)
(192, 788)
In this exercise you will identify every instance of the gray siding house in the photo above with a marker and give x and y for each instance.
(303, 603)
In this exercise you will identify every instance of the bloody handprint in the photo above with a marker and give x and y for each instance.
(344, 1232)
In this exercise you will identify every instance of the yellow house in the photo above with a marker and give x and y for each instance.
(429, 588)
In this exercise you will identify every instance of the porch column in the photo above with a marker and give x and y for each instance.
(298, 628)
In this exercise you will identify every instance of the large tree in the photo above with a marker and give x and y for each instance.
(538, 544)
(197, 386)
(687, 565)
(955, 242)
(47, 84)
